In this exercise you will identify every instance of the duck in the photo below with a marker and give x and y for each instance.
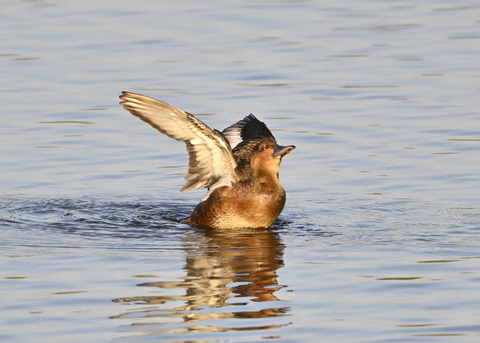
(239, 166)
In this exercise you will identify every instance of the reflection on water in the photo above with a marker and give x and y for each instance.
(382, 239)
(227, 274)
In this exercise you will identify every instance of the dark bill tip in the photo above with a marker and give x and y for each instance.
(280, 151)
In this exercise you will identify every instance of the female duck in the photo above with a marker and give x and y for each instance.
(243, 185)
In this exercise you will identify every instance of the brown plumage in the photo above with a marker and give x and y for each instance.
(243, 185)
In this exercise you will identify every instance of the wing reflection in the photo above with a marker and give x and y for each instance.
(230, 275)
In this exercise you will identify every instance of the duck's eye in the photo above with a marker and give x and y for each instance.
(263, 148)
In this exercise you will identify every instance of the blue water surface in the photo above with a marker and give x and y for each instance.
(380, 237)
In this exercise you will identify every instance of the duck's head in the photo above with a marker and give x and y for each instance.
(266, 157)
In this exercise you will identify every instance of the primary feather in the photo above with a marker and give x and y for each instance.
(210, 160)
(247, 129)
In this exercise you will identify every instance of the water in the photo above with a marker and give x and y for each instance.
(379, 240)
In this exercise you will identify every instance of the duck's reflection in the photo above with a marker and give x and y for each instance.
(229, 275)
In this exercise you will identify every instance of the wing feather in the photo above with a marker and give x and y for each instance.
(210, 160)
(249, 128)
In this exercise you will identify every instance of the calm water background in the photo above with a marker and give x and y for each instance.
(380, 237)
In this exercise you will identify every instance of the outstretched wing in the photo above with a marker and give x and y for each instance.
(247, 129)
(210, 159)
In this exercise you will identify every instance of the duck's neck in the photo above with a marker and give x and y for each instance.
(268, 178)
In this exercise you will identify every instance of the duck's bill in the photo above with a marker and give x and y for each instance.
(280, 151)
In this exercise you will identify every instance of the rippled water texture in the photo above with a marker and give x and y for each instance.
(380, 237)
